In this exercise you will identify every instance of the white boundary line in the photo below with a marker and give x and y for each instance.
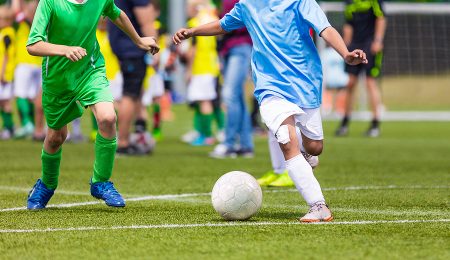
(228, 224)
(187, 195)
(63, 192)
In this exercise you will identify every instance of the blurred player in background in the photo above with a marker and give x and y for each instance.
(133, 67)
(364, 29)
(74, 77)
(288, 78)
(202, 71)
(235, 51)
(7, 63)
(27, 76)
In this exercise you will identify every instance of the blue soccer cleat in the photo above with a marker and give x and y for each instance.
(106, 191)
(39, 196)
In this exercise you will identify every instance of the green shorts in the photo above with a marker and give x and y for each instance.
(59, 110)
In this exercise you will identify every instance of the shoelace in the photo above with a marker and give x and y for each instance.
(108, 187)
(38, 193)
(316, 207)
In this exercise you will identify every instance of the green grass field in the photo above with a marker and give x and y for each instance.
(390, 197)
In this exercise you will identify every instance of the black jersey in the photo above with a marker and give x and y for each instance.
(361, 15)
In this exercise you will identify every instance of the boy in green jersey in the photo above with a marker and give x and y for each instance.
(73, 73)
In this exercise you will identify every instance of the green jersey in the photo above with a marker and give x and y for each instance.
(68, 23)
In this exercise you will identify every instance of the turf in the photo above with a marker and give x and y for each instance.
(404, 175)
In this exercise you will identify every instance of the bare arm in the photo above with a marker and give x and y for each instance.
(334, 39)
(380, 29)
(348, 34)
(41, 48)
(145, 16)
(209, 29)
(145, 43)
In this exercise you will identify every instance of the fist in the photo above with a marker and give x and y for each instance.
(149, 44)
(182, 34)
(75, 53)
(355, 57)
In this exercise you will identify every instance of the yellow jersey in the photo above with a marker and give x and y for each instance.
(206, 59)
(7, 48)
(111, 62)
(22, 56)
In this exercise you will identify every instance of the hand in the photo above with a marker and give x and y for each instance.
(355, 57)
(181, 35)
(148, 44)
(75, 53)
(376, 47)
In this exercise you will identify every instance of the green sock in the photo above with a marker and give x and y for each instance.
(105, 151)
(94, 122)
(219, 116)
(50, 168)
(206, 122)
(7, 120)
(31, 104)
(23, 105)
(197, 120)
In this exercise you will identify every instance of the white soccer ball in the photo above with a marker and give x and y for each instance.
(143, 141)
(236, 196)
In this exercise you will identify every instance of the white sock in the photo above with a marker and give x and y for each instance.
(276, 155)
(301, 173)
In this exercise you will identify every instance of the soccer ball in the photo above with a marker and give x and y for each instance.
(236, 196)
(143, 141)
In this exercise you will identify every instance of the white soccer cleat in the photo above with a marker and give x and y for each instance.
(318, 212)
(311, 159)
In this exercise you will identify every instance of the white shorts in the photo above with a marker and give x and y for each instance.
(27, 81)
(202, 88)
(116, 86)
(155, 89)
(275, 110)
(6, 91)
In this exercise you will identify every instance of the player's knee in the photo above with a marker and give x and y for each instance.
(288, 142)
(56, 139)
(107, 120)
(315, 148)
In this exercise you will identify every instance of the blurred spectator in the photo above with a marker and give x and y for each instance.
(27, 76)
(7, 55)
(132, 65)
(235, 53)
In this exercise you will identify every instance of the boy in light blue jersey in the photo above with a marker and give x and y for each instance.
(288, 79)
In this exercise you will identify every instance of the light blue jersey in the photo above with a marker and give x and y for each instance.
(285, 61)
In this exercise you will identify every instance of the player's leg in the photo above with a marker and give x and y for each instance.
(278, 164)
(6, 111)
(22, 86)
(372, 72)
(375, 103)
(202, 90)
(350, 90)
(51, 154)
(302, 175)
(105, 151)
(133, 72)
(273, 110)
(206, 117)
(58, 111)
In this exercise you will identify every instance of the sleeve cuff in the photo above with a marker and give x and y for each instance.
(223, 25)
(34, 40)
